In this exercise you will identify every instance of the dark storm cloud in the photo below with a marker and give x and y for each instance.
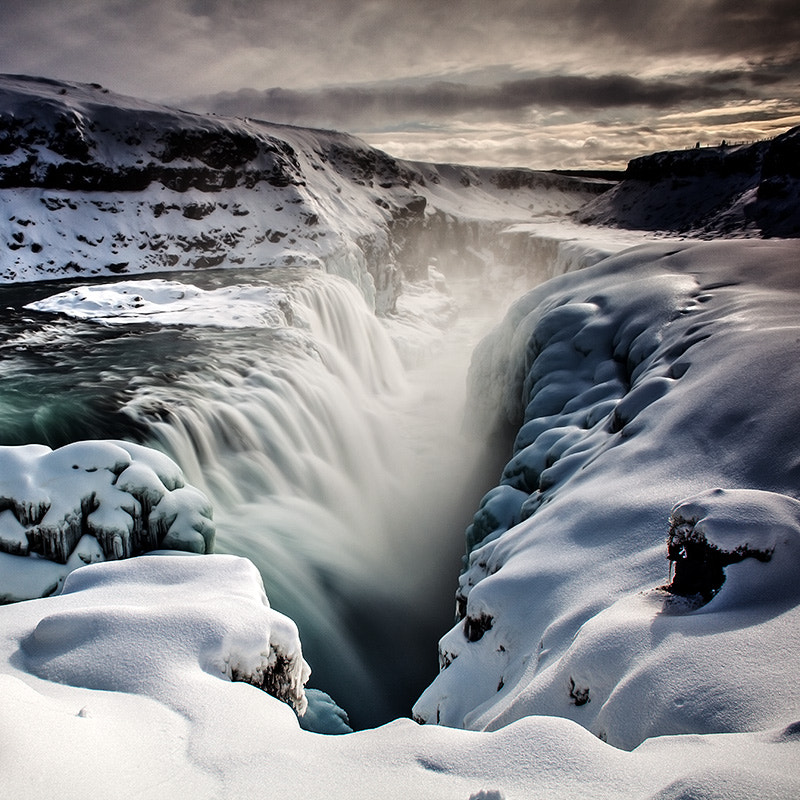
(705, 26)
(347, 40)
(485, 77)
(441, 99)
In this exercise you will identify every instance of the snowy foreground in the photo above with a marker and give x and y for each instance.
(656, 393)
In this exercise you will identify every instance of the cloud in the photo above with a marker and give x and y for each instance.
(373, 106)
(479, 75)
(162, 48)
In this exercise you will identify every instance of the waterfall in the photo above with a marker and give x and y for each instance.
(329, 467)
(342, 474)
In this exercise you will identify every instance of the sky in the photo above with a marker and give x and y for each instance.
(537, 83)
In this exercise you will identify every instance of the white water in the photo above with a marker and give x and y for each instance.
(343, 477)
(341, 474)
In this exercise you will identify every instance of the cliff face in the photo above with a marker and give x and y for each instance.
(92, 183)
(750, 190)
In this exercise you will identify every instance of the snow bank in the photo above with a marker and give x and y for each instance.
(87, 502)
(643, 383)
(121, 687)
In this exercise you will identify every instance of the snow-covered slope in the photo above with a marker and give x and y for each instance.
(742, 190)
(123, 687)
(92, 183)
(655, 394)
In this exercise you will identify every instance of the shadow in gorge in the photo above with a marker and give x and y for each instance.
(398, 643)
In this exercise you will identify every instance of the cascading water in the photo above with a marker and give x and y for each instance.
(341, 475)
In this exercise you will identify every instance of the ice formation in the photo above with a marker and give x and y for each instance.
(90, 501)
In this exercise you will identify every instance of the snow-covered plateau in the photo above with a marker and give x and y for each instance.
(236, 351)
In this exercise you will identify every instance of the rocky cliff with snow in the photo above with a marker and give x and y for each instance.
(94, 184)
(747, 189)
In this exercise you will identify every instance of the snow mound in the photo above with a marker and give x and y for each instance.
(719, 528)
(87, 502)
(163, 302)
(638, 385)
(116, 612)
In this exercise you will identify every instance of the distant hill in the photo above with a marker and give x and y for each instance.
(751, 190)
(95, 184)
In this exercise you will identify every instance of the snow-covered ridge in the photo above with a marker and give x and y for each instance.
(92, 183)
(741, 190)
(653, 389)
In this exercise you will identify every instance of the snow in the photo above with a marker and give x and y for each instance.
(88, 502)
(94, 184)
(162, 302)
(729, 190)
(656, 386)
(129, 671)
(629, 601)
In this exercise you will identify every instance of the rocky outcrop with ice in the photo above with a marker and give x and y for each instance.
(92, 183)
(633, 569)
(88, 502)
(744, 189)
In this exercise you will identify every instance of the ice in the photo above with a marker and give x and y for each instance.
(322, 715)
(162, 302)
(90, 501)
